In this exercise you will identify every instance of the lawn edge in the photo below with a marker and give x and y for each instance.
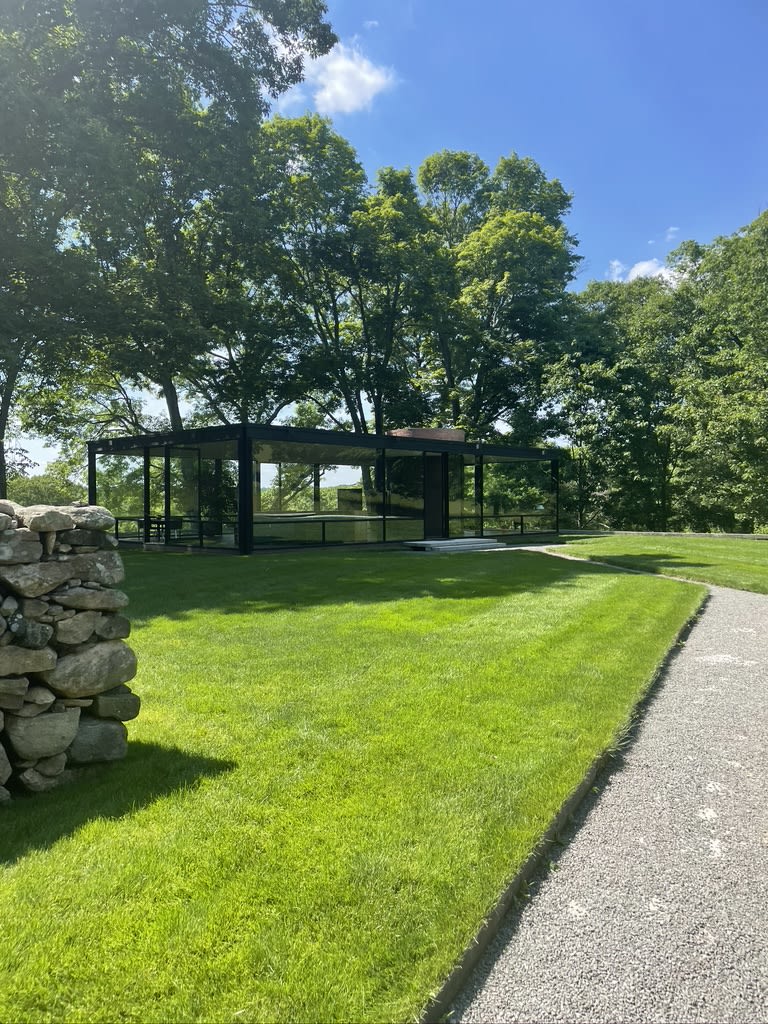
(439, 1004)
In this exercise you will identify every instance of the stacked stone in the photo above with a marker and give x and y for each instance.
(63, 659)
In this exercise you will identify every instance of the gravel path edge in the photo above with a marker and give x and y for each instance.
(440, 1004)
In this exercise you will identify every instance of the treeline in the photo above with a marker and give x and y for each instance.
(157, 235)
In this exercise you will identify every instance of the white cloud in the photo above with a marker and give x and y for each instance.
(618, 271)
(651, 241)
(292, 101)
(672, 233)
(615, 271)
(650, 268)
(370, 24)
(344, 80)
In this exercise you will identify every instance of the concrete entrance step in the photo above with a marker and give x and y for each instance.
(458, 544)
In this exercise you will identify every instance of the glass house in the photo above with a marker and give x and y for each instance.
(248, 487)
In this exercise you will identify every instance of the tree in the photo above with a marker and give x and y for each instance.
(118, 118)
(622, 405)
(503, 306)
(455, 187)
(725, 415)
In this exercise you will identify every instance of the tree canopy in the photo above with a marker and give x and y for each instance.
(160, 236)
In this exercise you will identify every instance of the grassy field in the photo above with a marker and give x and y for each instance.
(724, 561)
(341, 759)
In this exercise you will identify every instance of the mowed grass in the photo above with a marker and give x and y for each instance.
(724, 561)
(340, 761)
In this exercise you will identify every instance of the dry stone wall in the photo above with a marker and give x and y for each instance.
(64, 662)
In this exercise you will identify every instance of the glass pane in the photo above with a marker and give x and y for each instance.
(518, 497)
(463, 513)
(405, 497)
(218, 502)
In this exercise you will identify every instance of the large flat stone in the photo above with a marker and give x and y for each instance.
(44, 735)
(20, 546)
(86, 538)
(45, 518)
(94, 670)
(90, 517)
(105, 567)
(37, 579)
(98, 740)
(83, 598)
(79, 628)
(17, 661)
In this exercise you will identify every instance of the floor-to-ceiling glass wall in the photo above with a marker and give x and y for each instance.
(519, 496)
(463, 497)
(404, 475)
(316, 494)
(247, 487)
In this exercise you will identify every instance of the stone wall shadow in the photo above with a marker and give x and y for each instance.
(150, 771)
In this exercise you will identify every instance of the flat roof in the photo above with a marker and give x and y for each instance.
(217, 436)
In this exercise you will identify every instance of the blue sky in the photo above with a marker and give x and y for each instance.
(652, 114)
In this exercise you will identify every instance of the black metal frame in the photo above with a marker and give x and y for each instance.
(245, 434)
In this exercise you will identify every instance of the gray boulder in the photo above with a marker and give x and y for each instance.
(113, 627)
(90, 517)
(33, 609)
(52, 765)
(15, 687)
(98, 740)
(91, 671)
(47, 734)
(44, 518)
(15, 661)
(36, 782)
(79, 628)
(30, 633)
(86, 538)
(105, 567)
(85, 598)
(120, 703)
(37, 699)
(20, 546)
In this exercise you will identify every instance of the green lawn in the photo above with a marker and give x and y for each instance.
(341, 759)
(724, 561)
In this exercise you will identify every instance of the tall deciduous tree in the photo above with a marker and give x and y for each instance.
(117, 119)
(622, 404)
(503, 306)
(725, 415)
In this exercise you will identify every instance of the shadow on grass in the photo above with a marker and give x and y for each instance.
(660, 563)
(172, 586)
(101, 791)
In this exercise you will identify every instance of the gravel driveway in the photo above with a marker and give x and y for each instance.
(656, 906)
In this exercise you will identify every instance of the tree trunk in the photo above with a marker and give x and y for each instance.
(6, 401)
(171, 396)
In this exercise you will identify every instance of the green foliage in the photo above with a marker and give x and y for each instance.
(57, 485)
